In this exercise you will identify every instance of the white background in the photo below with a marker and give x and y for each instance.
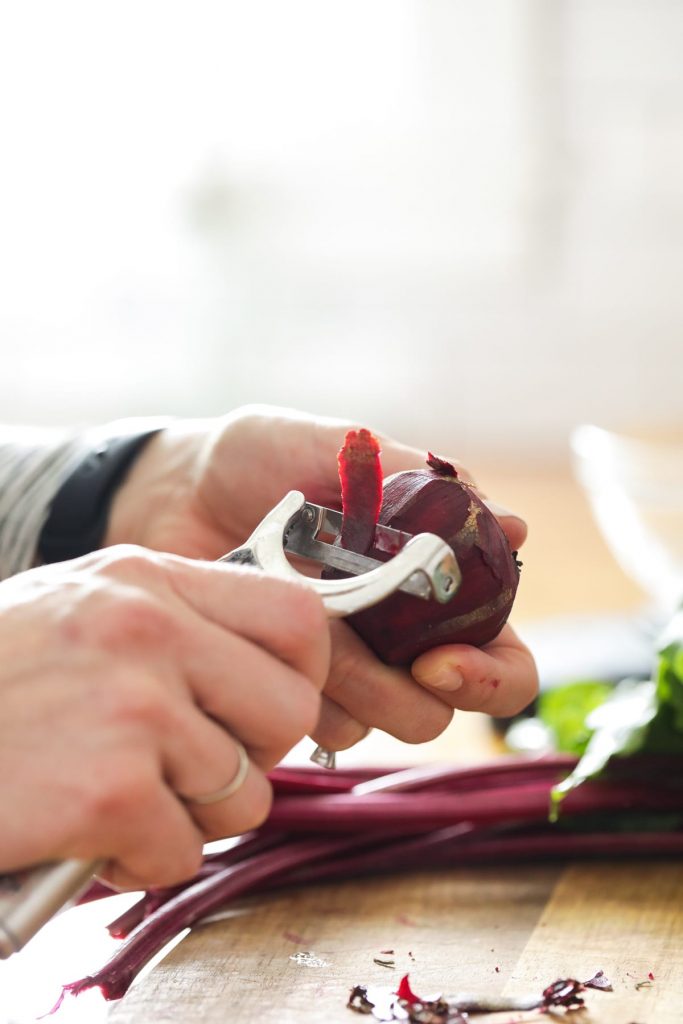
(460, 222)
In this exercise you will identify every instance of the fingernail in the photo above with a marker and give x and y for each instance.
(445, 677)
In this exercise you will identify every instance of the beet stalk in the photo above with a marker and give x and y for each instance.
(495, 813)
(195, 902)
(320, 860)
(391, 812)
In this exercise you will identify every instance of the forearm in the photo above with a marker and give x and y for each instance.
(33, 465)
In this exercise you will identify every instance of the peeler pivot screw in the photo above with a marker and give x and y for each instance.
(308, 515)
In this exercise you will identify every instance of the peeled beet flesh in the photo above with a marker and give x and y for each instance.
(434, 500)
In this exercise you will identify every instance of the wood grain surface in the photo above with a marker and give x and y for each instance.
(506, 930)
(625, 919)
(449, 930)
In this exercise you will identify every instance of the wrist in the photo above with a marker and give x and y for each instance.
(78, 516)
(157, 487)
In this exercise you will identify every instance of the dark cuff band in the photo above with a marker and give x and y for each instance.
(77, 521)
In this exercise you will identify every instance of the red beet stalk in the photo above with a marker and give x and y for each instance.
(313, 861)
(195, 902)
(394, 811)
(246, 847)
(504, 819)
(305, 780)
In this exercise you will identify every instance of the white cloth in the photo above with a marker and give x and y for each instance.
(33, 465)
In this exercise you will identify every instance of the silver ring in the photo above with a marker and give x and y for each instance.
(236, 782)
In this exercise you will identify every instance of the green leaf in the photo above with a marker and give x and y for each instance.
(620, 725)
(639, 717)
(565, 710)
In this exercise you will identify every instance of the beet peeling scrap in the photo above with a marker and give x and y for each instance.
(360, 475)
(564, 992)
(599, 981)
(431, 500)
(321, 830)
(404, 991)
(404, 1004)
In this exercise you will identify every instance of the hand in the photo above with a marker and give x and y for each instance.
(122, 685)
(201, 487)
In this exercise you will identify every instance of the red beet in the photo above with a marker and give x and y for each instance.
(434, 500)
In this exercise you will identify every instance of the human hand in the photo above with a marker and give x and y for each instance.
(201, 487)
(122, 691)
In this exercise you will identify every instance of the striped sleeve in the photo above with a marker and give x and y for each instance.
(33, 465)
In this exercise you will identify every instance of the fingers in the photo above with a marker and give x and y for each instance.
(253, 650)
(379, 696)
(157, 843)
(158, 753)
(286, 618)
(203, 652)
(199, 759)
(500, 679)
(263, 702)
(252, 653)
(336, 728)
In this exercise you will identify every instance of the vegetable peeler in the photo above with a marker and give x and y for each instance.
(422, 565)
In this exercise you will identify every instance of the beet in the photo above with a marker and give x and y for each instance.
(435, 500)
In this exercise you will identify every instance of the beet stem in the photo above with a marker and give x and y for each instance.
(495, 813)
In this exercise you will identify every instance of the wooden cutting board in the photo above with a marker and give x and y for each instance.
(511, 930)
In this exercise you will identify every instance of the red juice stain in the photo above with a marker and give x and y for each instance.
(298, 940)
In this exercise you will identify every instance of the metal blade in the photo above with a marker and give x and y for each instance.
(329, 521)
(300, 540)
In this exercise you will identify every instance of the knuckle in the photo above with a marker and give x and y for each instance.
(138, 699)
(128, 562)
(135, 619)
(114, 605)
(117, 791)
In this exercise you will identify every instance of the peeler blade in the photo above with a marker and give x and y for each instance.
(313, 531)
